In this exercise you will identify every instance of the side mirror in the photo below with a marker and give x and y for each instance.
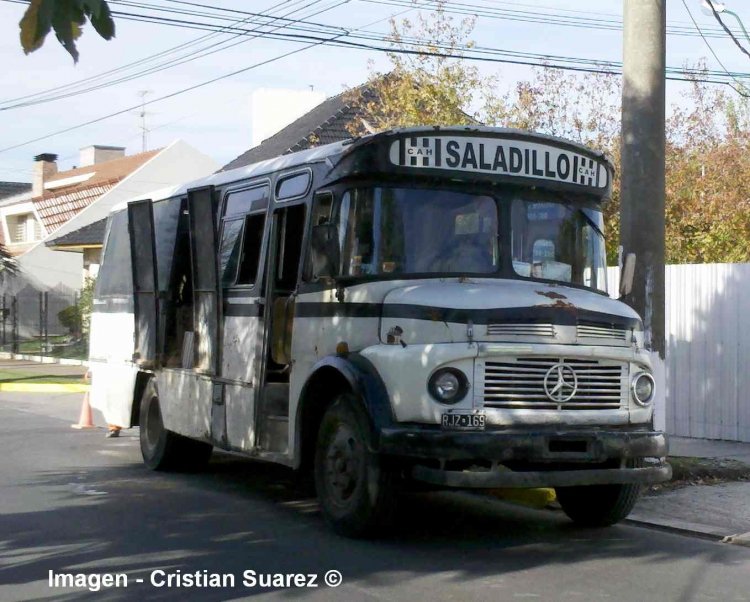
(626, 275)
(324, 252)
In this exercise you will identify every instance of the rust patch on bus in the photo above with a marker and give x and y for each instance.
(551, 294)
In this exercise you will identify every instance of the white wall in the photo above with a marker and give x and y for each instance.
(707, 331)
(274, 109)
(177, 163)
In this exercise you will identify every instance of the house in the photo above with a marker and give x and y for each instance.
(62, 202)
(327, 122)
(8, 189)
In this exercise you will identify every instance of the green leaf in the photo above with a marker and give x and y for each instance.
(66, 21)
(102, 21)
(66, 18)
(35, 25)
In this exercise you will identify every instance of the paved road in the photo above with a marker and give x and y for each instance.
(75, 502)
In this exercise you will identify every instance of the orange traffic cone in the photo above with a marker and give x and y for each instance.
(86, 419)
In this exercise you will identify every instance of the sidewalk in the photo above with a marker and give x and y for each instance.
(704, 505)
(29, 376)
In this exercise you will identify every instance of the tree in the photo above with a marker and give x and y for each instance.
(708, 134)
(428, 83)
(67, 18)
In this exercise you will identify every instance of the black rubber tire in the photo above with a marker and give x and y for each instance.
(357, 493)
(162, 449)
(598, 505)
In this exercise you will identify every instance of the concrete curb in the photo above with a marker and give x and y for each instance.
(42, 359)
(43, 388)
(677, 526)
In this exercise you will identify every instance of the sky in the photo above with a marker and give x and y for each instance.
(215, 118)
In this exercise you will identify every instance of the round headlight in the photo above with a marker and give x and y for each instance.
(448, 385)
(643, 388)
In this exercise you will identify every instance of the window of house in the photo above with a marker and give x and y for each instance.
(23, 227)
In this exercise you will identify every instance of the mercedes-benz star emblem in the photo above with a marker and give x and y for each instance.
(560, 383)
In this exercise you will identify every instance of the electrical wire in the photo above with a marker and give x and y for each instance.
(741, 90)
(727, 30)
(66, 91)
(312, 41)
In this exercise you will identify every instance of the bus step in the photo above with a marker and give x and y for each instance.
(274, 434)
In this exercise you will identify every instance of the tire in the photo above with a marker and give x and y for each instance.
(598, 505)
(355, 490)
(162, 449)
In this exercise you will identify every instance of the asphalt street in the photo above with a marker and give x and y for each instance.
(73, 502)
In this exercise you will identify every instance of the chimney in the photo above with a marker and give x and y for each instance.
(98, 153)
(45, 166)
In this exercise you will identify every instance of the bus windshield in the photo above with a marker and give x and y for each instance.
(416, 231)
(384, 231)
(557, 241)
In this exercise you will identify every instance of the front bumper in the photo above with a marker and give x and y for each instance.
(574, 456)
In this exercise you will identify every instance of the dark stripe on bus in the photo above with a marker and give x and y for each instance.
(515, 315)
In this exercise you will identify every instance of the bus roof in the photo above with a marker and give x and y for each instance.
(466, 142)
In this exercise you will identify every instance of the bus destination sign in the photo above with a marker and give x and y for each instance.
(499, 156)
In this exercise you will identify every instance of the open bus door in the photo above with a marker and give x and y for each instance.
(283, 271)
(202, 207)
(145, 288)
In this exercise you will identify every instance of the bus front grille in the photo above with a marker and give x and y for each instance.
(520, 384)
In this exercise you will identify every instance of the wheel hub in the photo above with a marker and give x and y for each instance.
(343, 461)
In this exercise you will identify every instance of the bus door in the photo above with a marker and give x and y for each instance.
(283, 269)
(241, 269)
(202, 206)
(145, 283)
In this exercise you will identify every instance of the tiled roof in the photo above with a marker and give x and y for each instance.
(106, 170)
(55, 211)
(93, 234)
(59, 205)
(324, 124)
(13, 188)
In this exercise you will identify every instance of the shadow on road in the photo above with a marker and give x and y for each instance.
(240, 515)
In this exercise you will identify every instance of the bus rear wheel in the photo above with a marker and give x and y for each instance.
(356, 491)
(162, 449)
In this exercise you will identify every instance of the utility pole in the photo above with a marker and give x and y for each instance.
(142, 115)
(643, 165)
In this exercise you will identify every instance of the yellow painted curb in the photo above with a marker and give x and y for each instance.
(43, 388)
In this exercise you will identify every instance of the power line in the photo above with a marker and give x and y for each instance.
(188, 89)
(47, 96)
(307, 27)
(542, 61)
(727, 30)
(741, 90)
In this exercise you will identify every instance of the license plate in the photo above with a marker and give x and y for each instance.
(464, 421)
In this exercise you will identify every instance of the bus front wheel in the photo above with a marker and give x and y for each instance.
(355, 490)
(162, 449)
(597, 505)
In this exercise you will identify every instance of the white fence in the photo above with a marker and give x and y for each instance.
(708, 350)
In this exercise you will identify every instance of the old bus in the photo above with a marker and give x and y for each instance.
(425, 304)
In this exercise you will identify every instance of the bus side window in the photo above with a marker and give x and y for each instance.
(321, 211)
(290, 247)
(229, 253)
(251, 246)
